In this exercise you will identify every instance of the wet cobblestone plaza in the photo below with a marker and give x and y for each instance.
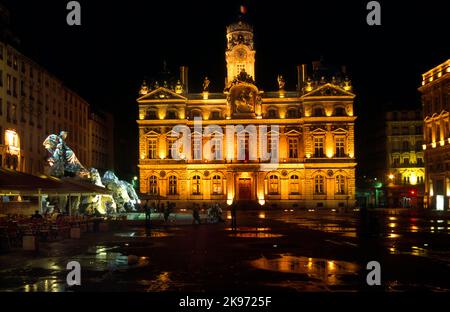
(273, 251)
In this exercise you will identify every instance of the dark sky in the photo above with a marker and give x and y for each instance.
(120, 43)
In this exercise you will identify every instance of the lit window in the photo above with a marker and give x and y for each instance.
(171, 148)
(152, 148)
(340, 147)
(240, 67)
(294, 185)
(340, 184)
(216, 148)
(153, 185)
(196, 185)
(293, 148)
(318, 146)
(273, 184)
(172, 185)
(319, 185)
(197, 147)
(217, 185)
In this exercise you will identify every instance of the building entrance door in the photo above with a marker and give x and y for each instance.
(244, 189)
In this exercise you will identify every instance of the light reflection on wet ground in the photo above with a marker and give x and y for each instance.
(330, 272)
(140, 234)
(255, 235)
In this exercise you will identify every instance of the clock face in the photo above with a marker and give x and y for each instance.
(241, 54)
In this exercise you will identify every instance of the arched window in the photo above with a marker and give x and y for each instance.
(318, 111)
(340, 111)
(217, 185)
(196, 114)
(272, 113)
(273, 185)
(215, 115)
(294, 185)
(319, 185)
(340, 184)
(196, 185)
(153, 185)
(292, 113)
(173, 185)
(172, 114)
(151, 114)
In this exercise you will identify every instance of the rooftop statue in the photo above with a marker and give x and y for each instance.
(281, 82)
(206, 83)
(62, 161)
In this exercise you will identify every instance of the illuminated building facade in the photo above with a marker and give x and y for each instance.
(34, 104)
(435, 91)
(405, 174)
(309, 139)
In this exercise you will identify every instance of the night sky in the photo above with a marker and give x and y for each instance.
(120, 43)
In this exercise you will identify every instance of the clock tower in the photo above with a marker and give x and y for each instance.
(240, 53)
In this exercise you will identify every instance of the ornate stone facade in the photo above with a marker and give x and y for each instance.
(310, 133)
(435, 91)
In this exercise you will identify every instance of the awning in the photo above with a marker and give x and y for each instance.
(18, 183)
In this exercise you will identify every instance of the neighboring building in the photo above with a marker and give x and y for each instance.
(405, 169)
(435, 91)
(313, 125)
(101, 141)
(34, 104)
